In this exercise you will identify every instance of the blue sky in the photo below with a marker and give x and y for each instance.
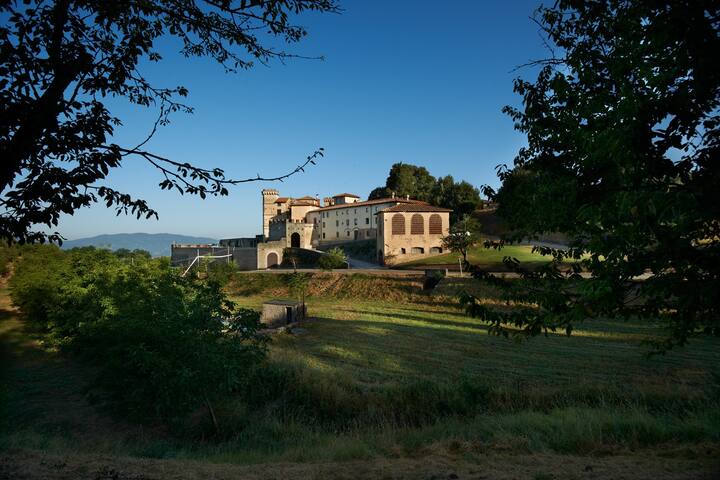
(410, 81)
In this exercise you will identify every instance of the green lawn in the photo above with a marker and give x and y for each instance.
(370, 342)
(483, 257)
(385, 370)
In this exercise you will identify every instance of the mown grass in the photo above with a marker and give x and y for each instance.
(385, 369)
(483, 257)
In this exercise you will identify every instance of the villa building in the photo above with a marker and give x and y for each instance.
(403, 229)
(306, 223)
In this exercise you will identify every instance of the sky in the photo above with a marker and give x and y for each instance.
(411, 81)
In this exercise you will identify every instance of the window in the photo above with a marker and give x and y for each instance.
(367, 221)
(435, 227)
(323, 234)
(347, 233)
(435, 250)
(417, 225)
(402, 251)
(398, 224)
(337, 234)
(356, 221)
(337, 223)
(323, 224)
(417, 250)
(366, 209)
(279, 211)
(347, 222)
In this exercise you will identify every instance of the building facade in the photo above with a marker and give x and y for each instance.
(402, 228)
(410, 231)
(306, 223)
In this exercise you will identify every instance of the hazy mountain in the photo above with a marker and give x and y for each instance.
(158, 244)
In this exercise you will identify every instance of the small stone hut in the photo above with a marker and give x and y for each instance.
(278, 313)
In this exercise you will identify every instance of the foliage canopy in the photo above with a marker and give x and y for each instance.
(464, 234)
(623, 137)
(416, 182)
(62, 61)
(333, 258)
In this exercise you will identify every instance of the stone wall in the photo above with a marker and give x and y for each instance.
(245, 258)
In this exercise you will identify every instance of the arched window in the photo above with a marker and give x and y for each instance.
(398, 224)
(435, 227)
(417, 225)
(295, 240)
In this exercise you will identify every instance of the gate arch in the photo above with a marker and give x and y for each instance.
(272, 259)
(295, 240)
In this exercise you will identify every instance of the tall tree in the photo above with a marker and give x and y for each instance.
(462, 197)
(623, 155)
(60, 61)
(405, 179)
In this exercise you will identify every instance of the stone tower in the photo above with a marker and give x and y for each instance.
(269, 196)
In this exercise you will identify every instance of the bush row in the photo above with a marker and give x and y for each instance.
(163, 345)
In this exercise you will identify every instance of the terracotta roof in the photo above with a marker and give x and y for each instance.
(307, 197)
(414, 207)
(304, 203)
(345, 195)
(370, 202)
(282, 199)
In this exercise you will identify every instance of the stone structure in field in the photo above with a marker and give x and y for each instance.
(278, 313)
(404, 229)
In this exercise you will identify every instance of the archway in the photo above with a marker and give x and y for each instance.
(272, 259)
(295, 240)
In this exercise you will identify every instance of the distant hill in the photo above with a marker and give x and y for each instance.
(158, 244)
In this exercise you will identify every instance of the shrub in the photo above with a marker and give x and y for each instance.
(36, 282)
(163, 345)
(221, 271)
(334, 258)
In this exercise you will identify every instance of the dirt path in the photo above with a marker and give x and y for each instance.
(37, 465)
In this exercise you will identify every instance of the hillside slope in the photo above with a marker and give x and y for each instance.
(158, 244)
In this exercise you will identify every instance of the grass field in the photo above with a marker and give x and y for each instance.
(386, 371)
(483, 257)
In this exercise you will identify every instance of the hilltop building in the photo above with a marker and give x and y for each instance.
(404, 229)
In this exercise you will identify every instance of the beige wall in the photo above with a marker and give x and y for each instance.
(305, 230)
(391, 246)
(265, 249)
(340, 224)
(299, 212)
(344, 200)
